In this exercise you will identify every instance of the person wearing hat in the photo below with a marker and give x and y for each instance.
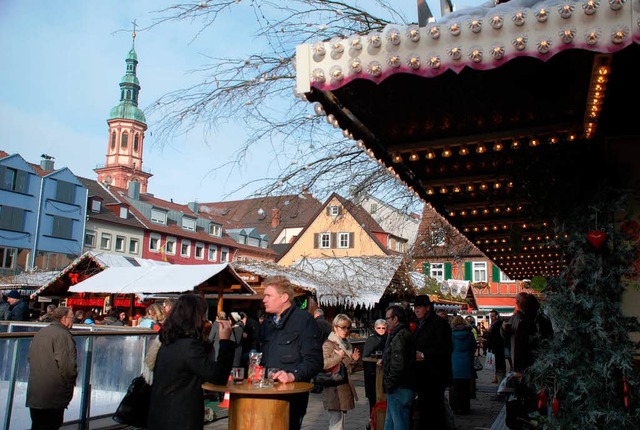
(18, 308)
(434, 345)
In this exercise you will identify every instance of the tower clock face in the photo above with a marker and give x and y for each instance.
(108, 180)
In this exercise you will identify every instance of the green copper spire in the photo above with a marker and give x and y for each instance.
(129, 90)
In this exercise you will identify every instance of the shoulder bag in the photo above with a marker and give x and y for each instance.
(134, 407)
(334, 376)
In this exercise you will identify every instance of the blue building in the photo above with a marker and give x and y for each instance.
(42, 215)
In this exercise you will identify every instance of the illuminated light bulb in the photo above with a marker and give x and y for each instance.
(330, 118)
(430, 191)
(515, 144)
(397, 158)
(464, 150)
(413, 156)
(470, 188)
(498, 146)
(534, 142)
(456, 189)
(497, 185)
(483, 187)
(360, 143)
(431, 154)
(463, 213)
(553, 140)
(485, 211)
(480, 149)
(452, 214)
(474, 212)
(446, 152)
(443, 190)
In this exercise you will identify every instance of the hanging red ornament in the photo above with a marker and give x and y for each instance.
(596, 238)
(625, 391)
(542, 399)
(555, 406)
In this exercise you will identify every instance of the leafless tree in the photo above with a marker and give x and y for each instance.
(257, 91)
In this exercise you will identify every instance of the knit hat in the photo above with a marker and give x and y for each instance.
(13, 294)
(422, 300)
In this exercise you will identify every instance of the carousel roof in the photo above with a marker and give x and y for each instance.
(495, 115)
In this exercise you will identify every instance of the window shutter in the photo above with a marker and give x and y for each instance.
(352, 236)
(468, 273)
(316, 240)
(21, 181)
(426, 269)
(328, 210)
(447, 270)
(2, 170)
(334, 243)
(495, 273)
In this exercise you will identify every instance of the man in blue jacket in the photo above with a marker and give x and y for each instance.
(17, 306)
(294, 346)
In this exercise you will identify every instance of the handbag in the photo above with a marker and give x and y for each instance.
(332, 377)
(477, 363)
(134, 407)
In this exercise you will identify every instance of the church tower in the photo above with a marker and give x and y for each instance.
(127, 125)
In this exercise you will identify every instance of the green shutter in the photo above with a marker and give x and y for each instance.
(447, 271)
(495, 273)
(425, 269)
(468, 273)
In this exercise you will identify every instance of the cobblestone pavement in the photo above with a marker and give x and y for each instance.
(485, 413)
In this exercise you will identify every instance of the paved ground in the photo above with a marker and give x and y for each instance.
(485, 413)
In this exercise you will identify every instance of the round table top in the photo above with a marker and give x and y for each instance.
(371, 359)
(260, 390)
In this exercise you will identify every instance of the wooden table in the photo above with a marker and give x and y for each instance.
(381, 396)
(258, 407)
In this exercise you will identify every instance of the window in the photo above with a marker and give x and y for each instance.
(334, 210)
(105, 241)
(438, 237)
(215, 230)
(124, 213)
(343, 240)
(199, 251)
(120, 243)
(90, 238)
(133, 246)
(185, 248)
(96, 205)
(436, 271)
(62, 227)
(224, 255)
(170, 245)
(65, 192)
(325, 240)
(213, 253)
(158, 216)
(13, 179)
(374, 208)
(136, 142)
(504, 277)
(154, 242)
(113, 140)
(11, 218)
(479, 271)
(8, 257)
(188, 223)
(124, 140)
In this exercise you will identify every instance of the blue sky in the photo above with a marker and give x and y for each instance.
(62, 61)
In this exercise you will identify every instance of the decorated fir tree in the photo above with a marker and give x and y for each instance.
(585, 376)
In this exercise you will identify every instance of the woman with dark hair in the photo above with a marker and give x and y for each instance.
(182, 365)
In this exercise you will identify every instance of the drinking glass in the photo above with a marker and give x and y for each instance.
(271, 373)
(258, 375)
(237, 374)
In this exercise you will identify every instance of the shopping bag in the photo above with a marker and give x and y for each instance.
(134, 407)
(490, 361)
(477, 364)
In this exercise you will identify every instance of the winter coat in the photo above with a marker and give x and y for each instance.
(399, 360)
(464, 349)
(495, 342)
(19, 311)
(52, 368)
(374, 343)
(341, 397)
(236, 337)
(181, 367)
(433, 339)
(325, 327)
(5, 313)
(109, 320)
(294, 345)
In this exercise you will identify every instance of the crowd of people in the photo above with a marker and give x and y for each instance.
(421, 353)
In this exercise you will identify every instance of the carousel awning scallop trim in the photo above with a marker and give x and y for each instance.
(481, 38)
(351, 281)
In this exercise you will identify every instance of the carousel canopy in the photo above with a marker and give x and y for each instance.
(498, 116)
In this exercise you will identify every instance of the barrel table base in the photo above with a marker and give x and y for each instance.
(251, 412)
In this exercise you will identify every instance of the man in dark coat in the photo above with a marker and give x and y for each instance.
(52, 371)
(17, 306)
(495, 344)
(323, 324)
(294, 347)
(434, 345)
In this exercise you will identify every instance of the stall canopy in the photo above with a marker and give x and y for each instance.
(496, 115)
(356, 281)
(26, 283)
(87, 265)
(152, 280)
(302, 282)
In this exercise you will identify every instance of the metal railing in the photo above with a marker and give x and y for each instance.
(109, 357)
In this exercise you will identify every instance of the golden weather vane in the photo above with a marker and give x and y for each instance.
(134, 29)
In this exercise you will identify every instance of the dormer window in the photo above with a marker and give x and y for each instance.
(159, 216)
(96, 205)
(334, 210)
(215, 230)
(188, 223)
(124, 212)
